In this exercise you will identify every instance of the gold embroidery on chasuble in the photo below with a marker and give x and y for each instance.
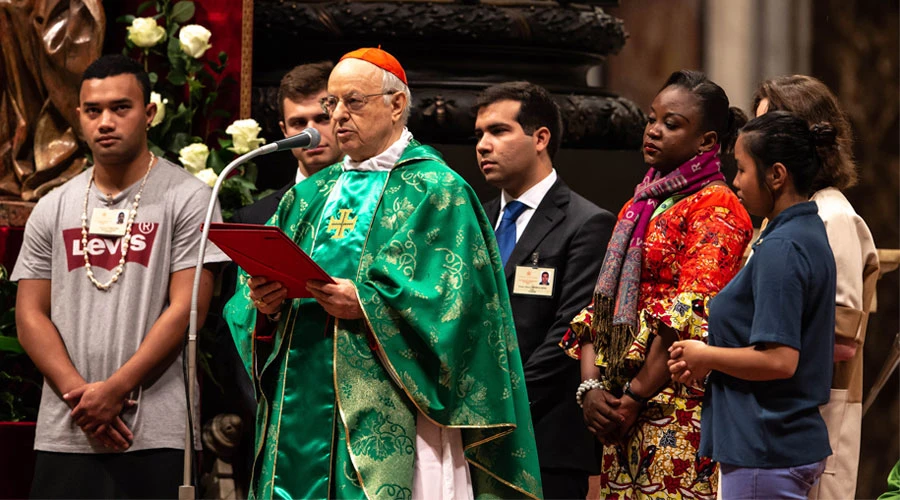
(341, 224)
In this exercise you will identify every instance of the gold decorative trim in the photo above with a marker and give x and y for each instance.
(334, 416)
(491, 438)
(502, 481)
(337, 396)
(256, 455)
(246, 57)
(284, 370)
(340, 409)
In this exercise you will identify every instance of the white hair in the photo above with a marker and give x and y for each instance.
(391, 83)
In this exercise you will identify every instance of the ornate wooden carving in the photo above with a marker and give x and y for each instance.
(451, 51)
(542, 24)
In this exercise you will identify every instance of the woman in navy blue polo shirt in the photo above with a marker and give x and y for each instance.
(771, 337)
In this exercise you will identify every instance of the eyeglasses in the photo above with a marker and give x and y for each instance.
(354, 102)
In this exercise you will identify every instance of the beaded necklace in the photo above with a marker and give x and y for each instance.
(125, 239)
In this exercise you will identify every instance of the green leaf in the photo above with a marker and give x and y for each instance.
(175, 54)
(205, 77)
(225, 143)
(209, 101)
(214, 161)
(172, 30)
(239, 192)
(125, 19)
(195, 86)
(182, 11)
(157, 151)
(153, 78)
(243, 183)
(194, 65)
(10, 344)
(250, 173)
(219, 68)
(176, 77)
(180, 140)
(223, 58)
(146, 5)
(262, 194)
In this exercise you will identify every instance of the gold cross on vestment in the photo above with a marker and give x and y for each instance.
(338, 225)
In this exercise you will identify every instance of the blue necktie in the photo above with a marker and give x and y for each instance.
(506, 231)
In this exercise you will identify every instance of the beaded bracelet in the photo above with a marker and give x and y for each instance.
(586, 386)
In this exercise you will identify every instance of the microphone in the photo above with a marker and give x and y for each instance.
(307, 139)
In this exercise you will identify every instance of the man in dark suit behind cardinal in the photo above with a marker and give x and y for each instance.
(543, 229)
(299, 94)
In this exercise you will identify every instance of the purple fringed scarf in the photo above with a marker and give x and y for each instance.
(618, 286)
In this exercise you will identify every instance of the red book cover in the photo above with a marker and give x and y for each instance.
(267, 251)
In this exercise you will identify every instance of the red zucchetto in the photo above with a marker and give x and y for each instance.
(379, 58)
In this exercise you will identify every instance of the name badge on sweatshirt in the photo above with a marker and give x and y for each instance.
(108, 222)
(533, 280)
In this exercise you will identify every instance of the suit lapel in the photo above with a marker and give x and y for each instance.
(547, 215)
(492, 209)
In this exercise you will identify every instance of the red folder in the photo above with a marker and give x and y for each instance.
(267, 251)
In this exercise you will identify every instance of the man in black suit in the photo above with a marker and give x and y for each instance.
(299, 96)
(543, 228)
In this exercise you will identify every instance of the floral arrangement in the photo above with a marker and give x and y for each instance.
(186, 99)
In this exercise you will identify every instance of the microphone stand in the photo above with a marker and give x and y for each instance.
(186, 490)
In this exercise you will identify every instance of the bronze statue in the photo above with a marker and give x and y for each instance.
(46, 45)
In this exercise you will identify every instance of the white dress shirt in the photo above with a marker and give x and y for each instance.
(531, 199)
(384, 161)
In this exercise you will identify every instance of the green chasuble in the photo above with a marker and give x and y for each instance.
(338, 399)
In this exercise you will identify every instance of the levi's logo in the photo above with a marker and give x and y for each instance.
(106, 252)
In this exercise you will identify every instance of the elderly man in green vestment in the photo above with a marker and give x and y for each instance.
(402, 379)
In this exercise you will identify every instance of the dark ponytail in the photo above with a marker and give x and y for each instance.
(718, 116)
(782, 137)
(727, 138)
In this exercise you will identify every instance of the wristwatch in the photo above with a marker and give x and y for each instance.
(627, 391)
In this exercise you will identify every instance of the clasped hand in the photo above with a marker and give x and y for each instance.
(686, 362)
(607, 417)
(339, 299)
(96, 408)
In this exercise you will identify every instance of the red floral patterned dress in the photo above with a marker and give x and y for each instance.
(691, 250)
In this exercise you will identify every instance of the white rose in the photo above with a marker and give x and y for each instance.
(144, 32)
(208, 176)
(194, 157)
(160, 108)
(194, 40)
(243, 135)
